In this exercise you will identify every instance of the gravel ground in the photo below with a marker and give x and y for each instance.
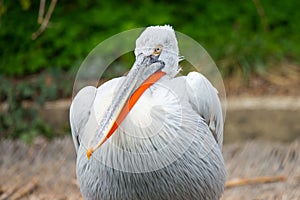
(46, 170)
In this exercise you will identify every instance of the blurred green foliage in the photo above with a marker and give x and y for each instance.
(240, 35)
(20, 117)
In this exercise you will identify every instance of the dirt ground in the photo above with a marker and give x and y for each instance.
(46, 170)
(282, 80)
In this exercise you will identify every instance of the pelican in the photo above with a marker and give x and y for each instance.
(150, 134)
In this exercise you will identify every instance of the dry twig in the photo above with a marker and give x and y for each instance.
(7, 193)
(248, 181)
(28, 188)
(45, 20)
(41, 11)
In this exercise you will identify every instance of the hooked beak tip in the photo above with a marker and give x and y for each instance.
(89, 153)
(154, 58)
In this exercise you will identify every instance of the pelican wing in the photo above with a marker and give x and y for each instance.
(205, 101)
(80, 112)
(84, 112)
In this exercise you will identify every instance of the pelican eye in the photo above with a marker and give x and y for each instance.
(157, 50)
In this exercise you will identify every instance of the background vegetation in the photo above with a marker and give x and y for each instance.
(238, 34)
(244, 37)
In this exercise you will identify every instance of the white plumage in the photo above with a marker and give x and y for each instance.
(169, 144)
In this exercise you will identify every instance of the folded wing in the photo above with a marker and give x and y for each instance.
(205, 101)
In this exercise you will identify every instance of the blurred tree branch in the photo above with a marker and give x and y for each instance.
(41, 11)
(261, 12)
(44, 21)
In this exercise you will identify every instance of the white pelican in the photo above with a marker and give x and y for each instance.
(150, 135)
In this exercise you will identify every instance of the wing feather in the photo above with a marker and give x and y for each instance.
(90, 100)
(80, 112)
(205, 101)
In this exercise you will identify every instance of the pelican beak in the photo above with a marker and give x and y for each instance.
(145, 72)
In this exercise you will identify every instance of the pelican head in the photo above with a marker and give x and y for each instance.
(156, 55)
(160, 39)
